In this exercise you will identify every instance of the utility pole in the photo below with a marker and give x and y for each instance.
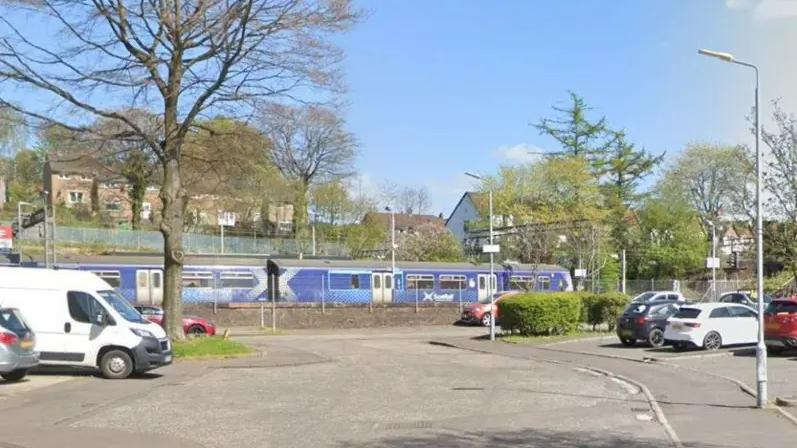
(622, 261)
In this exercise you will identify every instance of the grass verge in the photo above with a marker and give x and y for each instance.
(209, 348)
(514, 339)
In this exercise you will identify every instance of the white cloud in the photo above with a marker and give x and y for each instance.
(517, 154)
(766, 9)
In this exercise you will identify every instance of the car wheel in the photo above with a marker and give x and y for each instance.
(14, 375)
(712, 341)
(628, 342)
(486, 319)
(656, 338)
(116, 365)
(196, 330)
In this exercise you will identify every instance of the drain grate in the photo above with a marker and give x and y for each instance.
(408, 425)
(467, 388)
(640, 409)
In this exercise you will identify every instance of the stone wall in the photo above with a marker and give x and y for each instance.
(313, 316)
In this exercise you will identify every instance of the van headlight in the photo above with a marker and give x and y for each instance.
(142, 333)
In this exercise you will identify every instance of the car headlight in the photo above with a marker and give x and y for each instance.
(142, 333)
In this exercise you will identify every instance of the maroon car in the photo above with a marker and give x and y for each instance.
(191, 324)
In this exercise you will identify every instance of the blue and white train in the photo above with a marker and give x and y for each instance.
(236, 279)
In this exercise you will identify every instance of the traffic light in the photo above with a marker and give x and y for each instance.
(735, 260)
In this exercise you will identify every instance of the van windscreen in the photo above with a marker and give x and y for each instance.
(122, 306)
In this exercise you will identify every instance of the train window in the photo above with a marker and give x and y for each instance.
(237, 280)
(415, 282)
(452, 282)
(111, 277)
(198, 280)
(355, 282)
(522, 283)
(545, 283)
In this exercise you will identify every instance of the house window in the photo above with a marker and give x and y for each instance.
(452, 282)
(153, 188)
(76, 197)
(111, 185)
(85, 178)
(111, 277)
(113, 207)
(415, 282)
(521, 283)
(198, 280)
(64, 176)
(237, 280)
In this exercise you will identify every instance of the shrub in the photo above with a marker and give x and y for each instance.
(535, 314)
(603, 308)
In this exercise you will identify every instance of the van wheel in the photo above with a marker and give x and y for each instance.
(15, 375)
(116, 365)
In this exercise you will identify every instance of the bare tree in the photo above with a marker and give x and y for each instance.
(389, 192)
(310, 144)
(414, 200)
(185, 58)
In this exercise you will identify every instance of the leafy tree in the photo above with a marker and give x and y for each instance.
(428, 242)
(185, 59)
(577, 134)
(330, 202)
(13, 131)
(360, 238)
(624, 168)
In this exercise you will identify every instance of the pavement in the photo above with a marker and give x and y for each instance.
(391, 388)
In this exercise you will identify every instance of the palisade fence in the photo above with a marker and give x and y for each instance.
(196, 243)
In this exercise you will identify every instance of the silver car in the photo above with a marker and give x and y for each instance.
(17, 346)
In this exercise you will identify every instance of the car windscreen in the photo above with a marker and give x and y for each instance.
(687, 313)
(11, 320)
(781, 306)
(122, 306)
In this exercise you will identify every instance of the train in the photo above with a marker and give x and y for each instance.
(221, 279)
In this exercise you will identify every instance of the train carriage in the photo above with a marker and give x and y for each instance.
(240, 279)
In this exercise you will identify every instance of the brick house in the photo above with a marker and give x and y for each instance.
(70, 183)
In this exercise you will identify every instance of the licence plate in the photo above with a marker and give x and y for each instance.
(626, 333)
(677, 327)
(772, 326)
(168, 358)
(26, 344)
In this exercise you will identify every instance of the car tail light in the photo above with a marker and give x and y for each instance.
(8, 338)
(692, 324)
(641, 320)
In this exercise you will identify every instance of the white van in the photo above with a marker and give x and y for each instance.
(79, 320)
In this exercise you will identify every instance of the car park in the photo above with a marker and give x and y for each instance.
(192, 325)
(780, 326)
(479, 312)
(645, 322)
(17, 346)
(712, 326)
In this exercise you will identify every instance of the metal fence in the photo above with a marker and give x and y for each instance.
(197, 243)
(694, 290)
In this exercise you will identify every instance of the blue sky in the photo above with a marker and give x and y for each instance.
(446, 86)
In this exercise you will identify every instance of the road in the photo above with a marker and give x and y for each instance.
(382, 389)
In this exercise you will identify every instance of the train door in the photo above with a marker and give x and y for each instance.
(149, 286)
(382, 287)
(484, 291)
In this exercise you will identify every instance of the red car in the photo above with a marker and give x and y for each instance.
(780, 325)
(479, 312)
(191, 324)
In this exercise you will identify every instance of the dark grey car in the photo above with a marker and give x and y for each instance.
(17, 345)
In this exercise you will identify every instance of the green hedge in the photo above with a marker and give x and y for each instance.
(534, 314)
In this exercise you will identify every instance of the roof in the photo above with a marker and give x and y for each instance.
(84, 165)
(403, 220)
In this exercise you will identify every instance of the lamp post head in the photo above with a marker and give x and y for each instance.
(727, 57)
(475, 176)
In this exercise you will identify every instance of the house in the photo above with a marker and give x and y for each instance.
(70, 182)
(404, 222)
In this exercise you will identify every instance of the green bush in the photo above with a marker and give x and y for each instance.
(603, 308)
(535, 314)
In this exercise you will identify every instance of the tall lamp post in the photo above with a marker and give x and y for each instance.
(492, 260)
(761, 348)
(713, 261)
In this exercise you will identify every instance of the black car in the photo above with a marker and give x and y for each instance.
(646, 322)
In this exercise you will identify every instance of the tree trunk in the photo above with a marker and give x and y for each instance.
(172, 196)
(95, 196)
(300, 209)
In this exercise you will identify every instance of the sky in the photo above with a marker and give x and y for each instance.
(441, 87)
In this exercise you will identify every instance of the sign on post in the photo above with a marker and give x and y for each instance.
(712, 263)
(35, 218)
(6, 239)
(491, 248)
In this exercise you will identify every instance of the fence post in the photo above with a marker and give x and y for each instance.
(323, 303)
(416, 300)
(652, 284)
(459, 285)
(262, 315)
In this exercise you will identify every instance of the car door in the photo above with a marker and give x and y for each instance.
(745, 324)
(720, 320)
(83, 327)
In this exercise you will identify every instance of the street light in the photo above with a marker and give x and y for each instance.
(492, 255)
(713, 261)
(761, 348)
